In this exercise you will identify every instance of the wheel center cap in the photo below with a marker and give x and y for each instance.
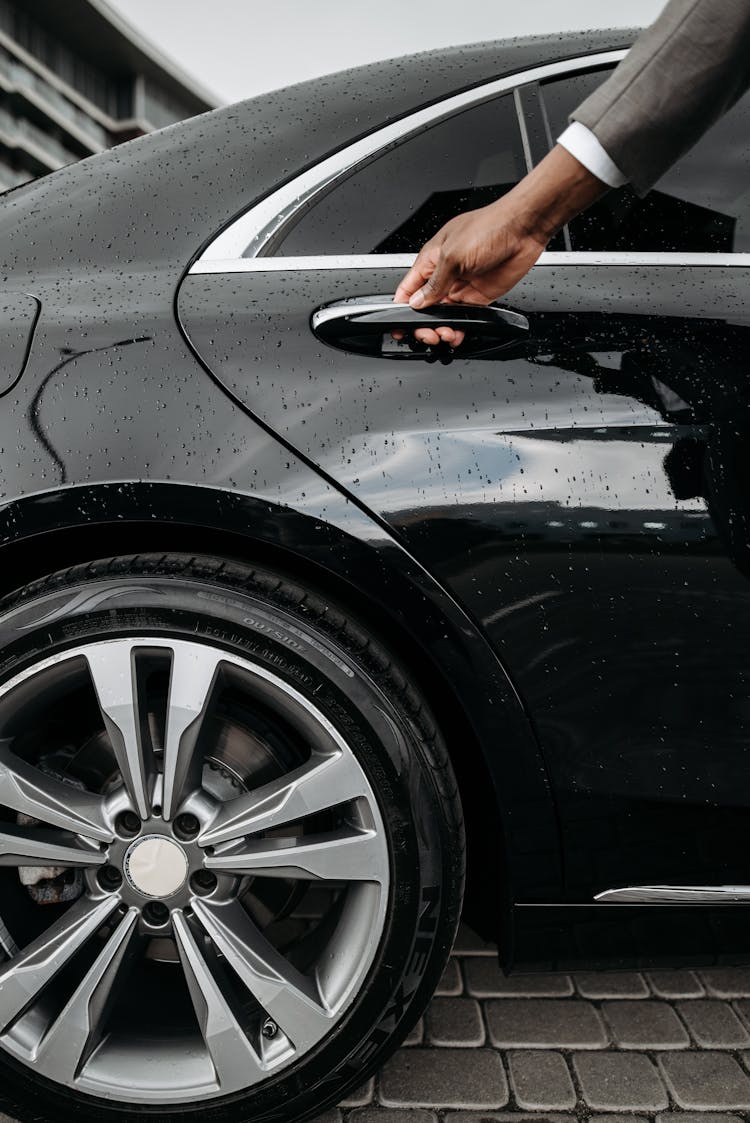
(156, 866)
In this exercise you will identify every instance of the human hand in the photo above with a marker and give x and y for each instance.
(473, 259)
(481, 255)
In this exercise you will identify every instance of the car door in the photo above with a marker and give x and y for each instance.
(580, 488)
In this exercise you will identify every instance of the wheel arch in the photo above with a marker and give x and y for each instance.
(45, 544)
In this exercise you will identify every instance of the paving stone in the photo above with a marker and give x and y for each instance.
(484, 979)
(727, 982)
(469, 943)
(705, 1081)
(693, 1117)
(458, 1078)
(611, 984)
(329, 1117)
(510, 1117)
(544, 1023)
(541, 1081)
(388, 1115)
(454, 1021)
(639, 1024)
(451, 983)
(363, 1095)
(713, 1024)
(619, 1082)
(743, 1008)
(416, 1036)
(598, 1118)
(675, 984)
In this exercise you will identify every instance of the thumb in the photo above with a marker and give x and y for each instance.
(436, 287)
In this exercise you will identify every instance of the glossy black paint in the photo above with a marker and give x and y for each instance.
(557, 546)
(18, 317)
(586, 525)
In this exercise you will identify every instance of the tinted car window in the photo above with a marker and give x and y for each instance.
(399, 200)
(702, 205)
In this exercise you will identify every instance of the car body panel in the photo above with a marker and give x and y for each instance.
(546, 490)
(125, 439)
(19, 313)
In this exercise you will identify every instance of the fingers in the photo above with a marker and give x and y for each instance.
(437, 286)
(444, 334)
(464, 293)
(431, 276)
(451, 335)
(418, 274)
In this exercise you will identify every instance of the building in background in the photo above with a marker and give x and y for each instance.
(75, 79)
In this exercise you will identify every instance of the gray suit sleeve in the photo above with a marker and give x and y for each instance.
(680, 76)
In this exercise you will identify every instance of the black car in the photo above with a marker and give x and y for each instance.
(292, 601)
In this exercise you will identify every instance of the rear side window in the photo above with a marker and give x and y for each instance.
(400, 199)
(702, 205)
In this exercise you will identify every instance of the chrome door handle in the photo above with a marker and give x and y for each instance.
(364, 325)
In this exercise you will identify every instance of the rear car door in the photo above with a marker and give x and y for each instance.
(583, 492)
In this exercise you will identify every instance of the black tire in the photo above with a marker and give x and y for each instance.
(359, 686)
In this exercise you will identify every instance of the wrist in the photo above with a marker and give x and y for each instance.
(557, 189)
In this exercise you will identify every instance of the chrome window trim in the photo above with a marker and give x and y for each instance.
(675, 895)
(252, 232)
(405, 261)
(523, 128)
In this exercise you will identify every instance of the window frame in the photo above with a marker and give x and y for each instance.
(259, 229)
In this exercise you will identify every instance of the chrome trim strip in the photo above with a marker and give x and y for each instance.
(301, 264)
(523, 130)
(406, 260)
(360, 306)
(251, 233)
(676, 895)
(351, 307)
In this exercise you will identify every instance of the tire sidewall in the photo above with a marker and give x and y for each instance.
(349, 680)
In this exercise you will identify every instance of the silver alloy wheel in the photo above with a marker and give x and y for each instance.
(179, 877)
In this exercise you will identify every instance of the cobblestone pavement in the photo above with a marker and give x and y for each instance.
(619, 1047)
(625, 1047)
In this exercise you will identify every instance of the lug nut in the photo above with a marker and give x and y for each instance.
(269, 1029)
(203, 881)
(110, 878)
(186, 826)
(156, 912)
(128, 824)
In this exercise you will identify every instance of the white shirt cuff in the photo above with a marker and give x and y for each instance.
(581, 143)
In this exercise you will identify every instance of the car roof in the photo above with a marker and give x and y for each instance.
(162, 197)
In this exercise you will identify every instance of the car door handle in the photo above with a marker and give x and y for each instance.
(365, 326)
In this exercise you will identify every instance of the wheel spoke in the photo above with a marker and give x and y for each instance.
(32, 846)
(65, 1008)
(194, 671)
(78, 1029)
(235, 1062)
(343, 855)
(285, 994)
(24, 977)
(320, 784)
(32, 792)
(113, 672)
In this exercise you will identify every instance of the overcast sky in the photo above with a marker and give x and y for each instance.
(238, 48)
